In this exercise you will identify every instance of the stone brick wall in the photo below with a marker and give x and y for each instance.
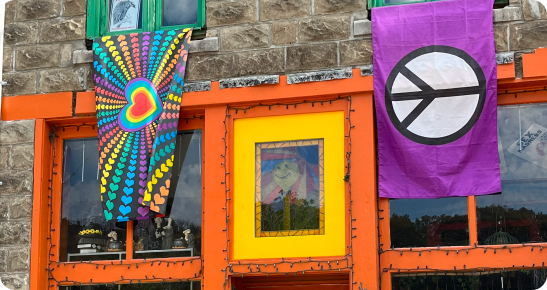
(45, 48)
(16, 164)
(39, 40)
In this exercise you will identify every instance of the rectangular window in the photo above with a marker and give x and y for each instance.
(113, 17)
(178, 234)
(289, 188)
(428, 222)
(518, 214)
(84, 229)
(85, 234)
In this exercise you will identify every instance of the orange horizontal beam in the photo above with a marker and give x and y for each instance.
(522, 98)
(85, 102)
(467, 257)
(57, 105)
(97, 273)
(506, 71)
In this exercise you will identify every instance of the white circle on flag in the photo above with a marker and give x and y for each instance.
(435, 94)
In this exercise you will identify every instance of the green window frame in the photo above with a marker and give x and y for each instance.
(152, 10)
(382, 3)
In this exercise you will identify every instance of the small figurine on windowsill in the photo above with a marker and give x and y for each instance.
(139, 246)
(189, 238)
(113, 245)
(180, 244)
(167, 236)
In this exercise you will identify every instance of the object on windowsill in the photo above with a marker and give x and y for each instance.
(189, 238)
(113, 244)
(139, 246)
(90, 241)
(180, 244)
(167, 236)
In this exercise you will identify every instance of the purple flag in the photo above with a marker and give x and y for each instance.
(435, 88)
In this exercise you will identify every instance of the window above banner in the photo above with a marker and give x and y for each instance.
(382, 3)
(114, 17)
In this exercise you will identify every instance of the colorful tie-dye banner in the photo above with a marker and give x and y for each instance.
(138, 87)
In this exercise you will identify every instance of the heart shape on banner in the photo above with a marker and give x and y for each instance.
(144, 105)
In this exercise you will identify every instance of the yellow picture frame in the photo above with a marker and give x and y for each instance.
(329, 127)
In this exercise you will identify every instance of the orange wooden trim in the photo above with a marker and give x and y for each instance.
(95, 273)
(471, 257)
(385, 234)
(180, 269)
(472, 219)
(85, 103)
(533, 64)
(39, 242)
(522, 98)
(45, 106)
(215, 253)
(506, 71)
(365, 258)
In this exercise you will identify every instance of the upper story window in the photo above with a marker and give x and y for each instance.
(381, 3)
(112, 17)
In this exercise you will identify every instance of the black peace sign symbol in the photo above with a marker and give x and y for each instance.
(427, 94)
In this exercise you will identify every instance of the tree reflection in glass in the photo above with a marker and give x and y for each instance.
(178, 233)
(516, 215)
(84, 228)
(429, 222)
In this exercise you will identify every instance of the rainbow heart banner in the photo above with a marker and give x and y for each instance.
(138, 90)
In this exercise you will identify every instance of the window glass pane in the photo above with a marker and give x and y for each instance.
(194, 285)
(517, 215)
(178, 234)
(521, 280)
(179, 12)
(289, 188)
(84, 229)
(124, 15)
(428, 222)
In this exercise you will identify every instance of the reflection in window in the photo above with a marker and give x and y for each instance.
(84, 230)
(289, 188)
(516, 215)
(194, 285)
(428, 222)
(179, 12)
(178, 233)
(518, 280)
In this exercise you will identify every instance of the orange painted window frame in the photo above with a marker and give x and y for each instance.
(455, 259)
(185, 268)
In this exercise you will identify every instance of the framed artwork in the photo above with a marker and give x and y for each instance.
(288, 186)
(290, 195)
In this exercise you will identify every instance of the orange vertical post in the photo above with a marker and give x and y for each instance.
(40, 214)
(472, 217)
(214, 202)
(366, 272)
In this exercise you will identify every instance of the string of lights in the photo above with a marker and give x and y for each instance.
(105, 265)
(454, 270)
(322, 265)
(466, 250)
